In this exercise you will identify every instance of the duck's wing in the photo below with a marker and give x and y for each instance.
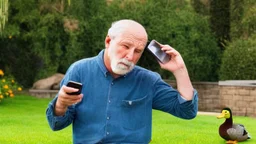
(238, 132)
(245, 134)
(232, 132)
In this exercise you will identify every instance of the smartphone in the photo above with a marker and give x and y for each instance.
(76, 85)
(155, 49)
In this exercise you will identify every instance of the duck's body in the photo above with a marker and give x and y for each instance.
(229, 131)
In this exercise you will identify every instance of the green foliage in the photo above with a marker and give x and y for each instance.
(243, 18)
(239, 60)
(220, 20)
(19, 58)
(201, 7)
(44, 37)
(94, 24)
(174, 23)
(37, 42)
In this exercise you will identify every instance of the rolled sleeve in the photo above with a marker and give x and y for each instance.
(183, 100)
(189, 109)
(58, 122)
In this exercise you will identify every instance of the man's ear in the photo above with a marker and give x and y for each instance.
(107, 41)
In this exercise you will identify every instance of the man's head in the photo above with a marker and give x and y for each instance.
(124, 44)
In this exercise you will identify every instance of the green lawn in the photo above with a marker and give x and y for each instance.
(23, 121)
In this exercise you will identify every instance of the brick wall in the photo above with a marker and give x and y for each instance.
(43, 93)
(241, 99)
(240, 96)
(209, 96)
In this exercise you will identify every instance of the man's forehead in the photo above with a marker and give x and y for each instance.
(133, 41)
(133, 38)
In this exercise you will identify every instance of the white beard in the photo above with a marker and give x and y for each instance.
(120, 66)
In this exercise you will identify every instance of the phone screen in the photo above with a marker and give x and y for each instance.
(76, 85)
(155, 49)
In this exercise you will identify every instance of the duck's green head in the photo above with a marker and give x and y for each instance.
(225, 113)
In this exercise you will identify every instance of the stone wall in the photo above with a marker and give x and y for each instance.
(209, 96)
(43, 93)
(240, 96)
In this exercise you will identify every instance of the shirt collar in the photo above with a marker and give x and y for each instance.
(100, 61)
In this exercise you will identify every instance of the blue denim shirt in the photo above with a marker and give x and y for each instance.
(117, 110)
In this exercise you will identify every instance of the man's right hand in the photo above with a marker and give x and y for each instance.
(64, 100)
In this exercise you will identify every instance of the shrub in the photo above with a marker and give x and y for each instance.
(36, 42)
(8, 86)
(239, 60)
(174, 23)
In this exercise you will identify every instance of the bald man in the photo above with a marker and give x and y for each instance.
(116, 102)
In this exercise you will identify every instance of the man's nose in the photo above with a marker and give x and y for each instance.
(129, 55)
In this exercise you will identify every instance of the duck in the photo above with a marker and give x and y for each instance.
(231, 132)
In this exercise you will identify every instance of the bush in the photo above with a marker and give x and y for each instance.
(8, 86)
(36, 42)
(175, 23)
(239, 60)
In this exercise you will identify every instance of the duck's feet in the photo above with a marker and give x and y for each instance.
(231, 142)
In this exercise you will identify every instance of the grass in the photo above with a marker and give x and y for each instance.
(23, 121)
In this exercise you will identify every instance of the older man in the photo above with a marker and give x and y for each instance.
(117, 99)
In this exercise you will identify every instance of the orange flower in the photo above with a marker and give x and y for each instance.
(10, 91)
(1, 96)
(19, 89)
(13, 81)
(1, 72)
(6, 87)
(12, 95)
(3, 80)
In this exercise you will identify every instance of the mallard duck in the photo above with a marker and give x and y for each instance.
(229, 131)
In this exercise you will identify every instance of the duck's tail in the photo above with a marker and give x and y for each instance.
(249, 137)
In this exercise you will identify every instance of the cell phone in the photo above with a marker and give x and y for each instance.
(76, 85)
(155, 49)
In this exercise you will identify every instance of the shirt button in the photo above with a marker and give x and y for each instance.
(107, 133)
(107, 117)
(112, 83)
(109, 101)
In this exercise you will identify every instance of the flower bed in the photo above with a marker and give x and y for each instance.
(8, 86)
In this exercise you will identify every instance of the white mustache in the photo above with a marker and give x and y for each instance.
(126, 62)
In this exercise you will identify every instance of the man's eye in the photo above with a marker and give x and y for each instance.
(125, 46)
(138, 51)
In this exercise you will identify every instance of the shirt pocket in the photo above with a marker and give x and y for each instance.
(134, 113)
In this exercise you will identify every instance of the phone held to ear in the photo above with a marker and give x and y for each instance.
(155, 49)
(76, 85)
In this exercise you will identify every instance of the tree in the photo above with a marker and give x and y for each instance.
(220, 20)
(3, 13)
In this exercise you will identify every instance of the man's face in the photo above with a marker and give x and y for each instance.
(124, 52)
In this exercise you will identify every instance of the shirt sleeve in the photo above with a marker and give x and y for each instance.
(169, 100)
(59, 122)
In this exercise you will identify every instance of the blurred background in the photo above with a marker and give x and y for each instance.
(217, 38)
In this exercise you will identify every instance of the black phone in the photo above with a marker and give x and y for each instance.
(76, 85)
(155, 49)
